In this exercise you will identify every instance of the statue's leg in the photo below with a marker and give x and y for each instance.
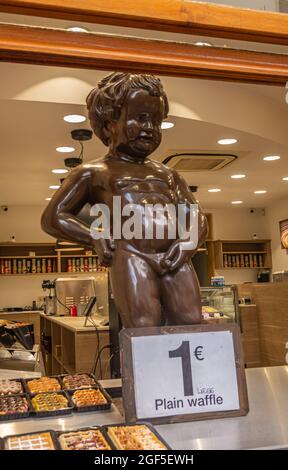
(135, 290)
(180, 295)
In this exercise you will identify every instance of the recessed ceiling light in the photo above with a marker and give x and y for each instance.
(59, 171)
(285, 178)
(238, 177)
(271, 158)
(236, 202)
(203, 43)
(65, 149)
(48, 198)
(214, 190)
(77, 29)
(260, 191)
(167, 125)
(227, 141)
(74, 118)
(54, 186)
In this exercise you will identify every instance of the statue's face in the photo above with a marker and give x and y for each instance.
(137, 132)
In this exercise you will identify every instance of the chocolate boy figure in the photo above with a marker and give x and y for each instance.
(153, 280)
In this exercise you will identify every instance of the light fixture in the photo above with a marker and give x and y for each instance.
(77, 29)
(227, 141)
(65, 149)
(203, 43)
(214, 190)
(54, 186)
(238, 177)
(48, 198)
(271, 158)
(74, 118)
(167, 125)
(236, 202)
(285, 178)
(260, 191)
(59, 171)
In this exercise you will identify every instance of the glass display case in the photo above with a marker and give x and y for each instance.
(219, 304)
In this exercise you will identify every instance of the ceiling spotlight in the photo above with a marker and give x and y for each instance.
(74, 118)
(260, 191)
(167, 125)
(227, 141)
(59, 171)
(214, 190)
(271, 158)
(77, 29)
(54, 186)
(65, 149)
(203, 43)
(236, 202)
(285, 178)
(48, 198)
(238, 177)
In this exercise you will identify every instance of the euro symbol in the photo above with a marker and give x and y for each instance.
(198, 353)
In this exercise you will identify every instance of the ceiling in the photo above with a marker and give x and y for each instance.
(34, 100)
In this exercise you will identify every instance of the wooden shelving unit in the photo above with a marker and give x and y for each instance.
(242, 254)
(32, 259)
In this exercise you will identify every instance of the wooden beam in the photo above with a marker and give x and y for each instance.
(178, 16)
(33, 45)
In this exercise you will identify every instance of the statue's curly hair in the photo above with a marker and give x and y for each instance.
(104, 102)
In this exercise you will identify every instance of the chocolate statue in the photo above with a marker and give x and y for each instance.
(153, 279)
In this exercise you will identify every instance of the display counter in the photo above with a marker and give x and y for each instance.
(264, 427)
(27, 316)
(70, 347)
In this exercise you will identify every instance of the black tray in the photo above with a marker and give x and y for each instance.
(53, 435)
(12, 416)
(149, 425)
(60, 378)
(90, 428)
(27, 390)
(46, 414)
(83, 409)
(11, 394)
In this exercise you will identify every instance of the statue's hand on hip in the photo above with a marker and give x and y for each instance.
(104, 248)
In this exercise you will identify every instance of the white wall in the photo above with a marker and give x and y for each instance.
(24, 223)
(275, 212)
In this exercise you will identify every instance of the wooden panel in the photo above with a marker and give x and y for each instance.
(86, 351)
(46, 46)
(165, 15)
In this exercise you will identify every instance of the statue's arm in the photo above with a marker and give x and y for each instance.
(60, 216)
(186, 196)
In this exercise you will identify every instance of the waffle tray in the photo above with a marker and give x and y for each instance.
(46, 414)
(52, 433)
(17, 415)
(100, 407)
(94, 428)
(142, 423)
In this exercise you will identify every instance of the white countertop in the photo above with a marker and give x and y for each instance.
(75, 324)
(16, 312)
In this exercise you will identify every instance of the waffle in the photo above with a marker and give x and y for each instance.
(88, 397)
(10, 387)
(84, 440)
(138, 437)
(39, 441)
(78, 381)
(49, 402)
(44, 384)
(11, 405)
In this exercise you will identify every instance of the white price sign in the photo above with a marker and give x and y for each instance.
(184, 374)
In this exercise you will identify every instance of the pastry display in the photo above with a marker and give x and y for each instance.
(39, 441)
(49, 402)
(10, 387)
(78, 381)
(138, 437)
(89, 397)
(91, 439)
(12, 405)
(44, 384)
(11, 325)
